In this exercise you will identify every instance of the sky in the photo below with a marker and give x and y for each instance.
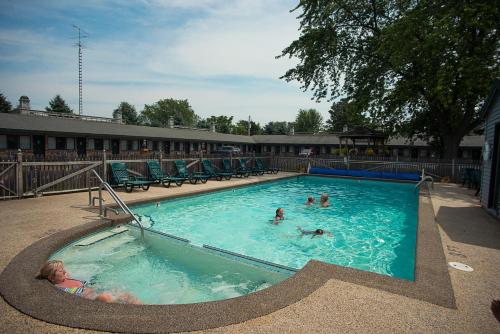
(219, 55)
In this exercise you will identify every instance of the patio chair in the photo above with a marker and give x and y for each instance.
(243, 167)
(157, 175)
(226, 167)
(193, 178)
(210, 170)
(121, 176)
(269, 170)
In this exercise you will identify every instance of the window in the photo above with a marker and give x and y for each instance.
(177, 146)
(70, 143)
(25, 142)
(90, 143)
(12, 142)
(150, 145)
(156, 146)
(123, 145)
(195, 146)
(98, 144)
(132, 145)
(3, 142)
(107, 145)
(51, 143)
(60, 143)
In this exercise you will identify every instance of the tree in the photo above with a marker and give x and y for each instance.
(420, 67)
(342, 114)
(128, 112)
(158, 114)
(241, 128)
(57, 104)
(277, 128)
(5, 106)
(309, 120)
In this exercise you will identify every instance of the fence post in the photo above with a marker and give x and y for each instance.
(453, 170)
(104, 166)
(19, 174)
(87, 179)
(160, 159)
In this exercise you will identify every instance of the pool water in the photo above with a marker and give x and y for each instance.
(373, 223)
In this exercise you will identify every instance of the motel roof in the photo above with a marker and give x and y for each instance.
(57, 126)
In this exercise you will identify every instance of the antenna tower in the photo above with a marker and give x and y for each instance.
(81, 34)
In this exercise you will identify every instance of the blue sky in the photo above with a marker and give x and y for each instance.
(219, 55)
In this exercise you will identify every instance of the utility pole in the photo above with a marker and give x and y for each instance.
(249, 124)
(81, 34)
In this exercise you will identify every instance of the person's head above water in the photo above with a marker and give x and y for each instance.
(279, 212)
(324, 198)
(319, 231)
(310, 199)
(53, 271)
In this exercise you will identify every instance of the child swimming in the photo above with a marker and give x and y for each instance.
(313, 233)
(323, 201)
(280, 215)
(310, 201)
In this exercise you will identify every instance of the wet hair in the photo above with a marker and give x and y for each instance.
(49, 269)
(324, 197)
(310, 199)
(278, 212)
(319, 231)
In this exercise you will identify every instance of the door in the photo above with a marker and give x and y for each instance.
(39, 145)
(81, 146)
(495, 169)
(115, 146)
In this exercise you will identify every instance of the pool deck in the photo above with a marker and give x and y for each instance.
(468, 235)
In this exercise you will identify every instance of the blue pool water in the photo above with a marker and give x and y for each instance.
(374, 223)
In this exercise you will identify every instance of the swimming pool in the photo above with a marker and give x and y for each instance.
(374, 223)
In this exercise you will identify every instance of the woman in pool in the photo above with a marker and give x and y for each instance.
(280, 215)
(310, 201)
(318, 232)
(54, 272)
(323, 201)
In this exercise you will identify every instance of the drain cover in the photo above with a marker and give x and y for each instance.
(460, 266)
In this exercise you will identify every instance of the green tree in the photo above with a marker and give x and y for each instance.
(241, 128)
(342, 114)
(57, 104)
(129, 114)
(421, 67)
(309, 120)
(223, 124)
(158, 114)
(277, 128)
(5, 106)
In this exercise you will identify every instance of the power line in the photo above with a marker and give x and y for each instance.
(81, 34)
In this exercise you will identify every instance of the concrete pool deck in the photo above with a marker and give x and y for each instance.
(468, 233)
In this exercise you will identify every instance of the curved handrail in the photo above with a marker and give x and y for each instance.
(424, 179)
(117, 199)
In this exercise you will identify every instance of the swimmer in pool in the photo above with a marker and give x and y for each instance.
(318, 232)
(310, 201)
(280, 215)
(323, 201)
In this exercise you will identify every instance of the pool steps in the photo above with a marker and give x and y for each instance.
(101, 236)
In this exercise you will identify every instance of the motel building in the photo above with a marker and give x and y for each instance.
(43, 135)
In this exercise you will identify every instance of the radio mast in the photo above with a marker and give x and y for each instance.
(81, 34)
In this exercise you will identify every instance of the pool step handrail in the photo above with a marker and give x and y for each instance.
(118, 200)
(425, 178)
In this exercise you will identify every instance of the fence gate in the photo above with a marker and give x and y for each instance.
(8, 180)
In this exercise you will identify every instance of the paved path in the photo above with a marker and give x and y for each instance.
(469, 235)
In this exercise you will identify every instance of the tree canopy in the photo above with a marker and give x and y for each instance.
(5, 106)
(241, 128)
(57, 104)
(129, 114)
(309, 120)
(342, 114)
(159, 113)
(277, 128)
(416, 67)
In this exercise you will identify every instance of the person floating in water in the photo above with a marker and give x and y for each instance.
(280, 215)
(310, 201)
(314, 233)
(54, 272)
(323, 201)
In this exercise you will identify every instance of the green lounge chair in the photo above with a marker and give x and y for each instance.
(121, 176)
(210, 170)
(243, 167)
(193, 178)
(157, 175)
(227, 168)
(269, 170)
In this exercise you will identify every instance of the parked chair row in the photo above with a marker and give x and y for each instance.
(122, 177)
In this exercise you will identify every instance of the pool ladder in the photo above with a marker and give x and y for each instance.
(102, 210)
(425, 178)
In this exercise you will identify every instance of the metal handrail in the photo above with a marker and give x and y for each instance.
(424, 179)
(117, 199)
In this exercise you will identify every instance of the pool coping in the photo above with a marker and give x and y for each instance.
(23, 291)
